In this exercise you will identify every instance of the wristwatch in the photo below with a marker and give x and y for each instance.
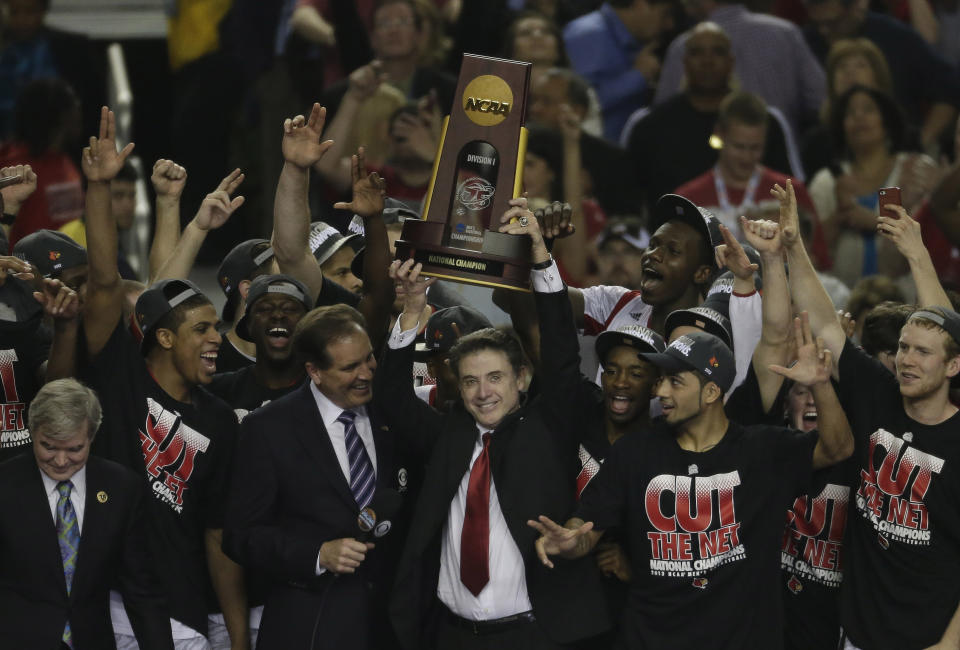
(540, 266)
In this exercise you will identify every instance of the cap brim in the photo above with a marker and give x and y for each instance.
(683, 317)
(610, 339)
(327, 254)
(668, 363)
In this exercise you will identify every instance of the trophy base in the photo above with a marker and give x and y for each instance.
(503, 261)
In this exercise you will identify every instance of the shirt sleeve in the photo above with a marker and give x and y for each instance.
(400, 339)
(604, 499)
(599, 303)
(544, 280)
(746, 321)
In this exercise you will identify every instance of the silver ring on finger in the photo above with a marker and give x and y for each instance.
(524, 221)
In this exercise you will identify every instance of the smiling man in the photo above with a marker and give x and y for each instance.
(722, 553)
(468, 568)
(275, 304)
(159, 421)
(326, 584)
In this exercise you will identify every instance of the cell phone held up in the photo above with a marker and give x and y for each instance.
(889, 196)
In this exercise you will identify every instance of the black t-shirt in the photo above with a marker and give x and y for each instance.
(705, 573)
(811, 553)
(241, 390)
(902, 576)
(230, 359)
(184, 452)
(22, 352)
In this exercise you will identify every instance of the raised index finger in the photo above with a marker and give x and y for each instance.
(104, 112)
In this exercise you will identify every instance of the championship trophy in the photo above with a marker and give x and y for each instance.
(478, 169)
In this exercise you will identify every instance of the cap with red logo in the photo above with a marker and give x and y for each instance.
(52, 252)
(699, 351)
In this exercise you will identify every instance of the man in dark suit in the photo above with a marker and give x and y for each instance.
(468, 576)
(308, 463)
(71, 527)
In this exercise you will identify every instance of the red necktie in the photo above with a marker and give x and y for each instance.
(475, 537)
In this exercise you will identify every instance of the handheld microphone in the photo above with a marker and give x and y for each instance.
(374, 520)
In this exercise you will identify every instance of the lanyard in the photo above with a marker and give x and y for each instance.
(724, 200)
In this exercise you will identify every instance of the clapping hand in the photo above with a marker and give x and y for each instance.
(101, 162)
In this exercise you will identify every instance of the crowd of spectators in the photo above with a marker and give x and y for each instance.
(727, 325)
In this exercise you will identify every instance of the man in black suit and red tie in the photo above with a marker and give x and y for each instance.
(71, 528)
(307, 464)
(468, 577)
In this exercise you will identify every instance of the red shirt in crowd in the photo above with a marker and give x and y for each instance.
(59, 195)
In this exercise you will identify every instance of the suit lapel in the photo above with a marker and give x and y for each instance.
(464, 437)
(383, 444)
(309, 429)
(94, 513)
(37, 517)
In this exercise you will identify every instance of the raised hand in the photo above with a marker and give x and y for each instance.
(814, 362)
(556, 539)
(763, 235)
(168, 179)
(14, 195)
(101, 162)
(14, 266)
(412, 287)
(365, 80)
(554, 220)
(789, 218)
(847, 322)
(217, 206)
(369, 189)
(301, 138)
(904, 232)
(731, 255)
(59, 301)
(419, 133)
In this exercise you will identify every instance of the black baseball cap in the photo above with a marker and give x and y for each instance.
(699, 351)
(947, 319)
(276, 284)
(446, 326)
(156, 302)
(239, 264)
(52, 252)
(673, 207)
(325, 240)
(394, 211)
(642, 338)
(706, 317)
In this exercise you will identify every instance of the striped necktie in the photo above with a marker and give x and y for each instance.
(68, 536)
(363, 480)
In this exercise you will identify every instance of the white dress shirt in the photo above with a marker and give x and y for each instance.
(506, 592)
(329, 412)
(77, 494)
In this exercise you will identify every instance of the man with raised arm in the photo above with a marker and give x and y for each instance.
(291, 224)
(158, 420)
(901, 584)
(468, 567)
(721, 552)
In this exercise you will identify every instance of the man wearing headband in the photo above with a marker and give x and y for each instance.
(721, 552)
(274, 306)
(158, 420)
